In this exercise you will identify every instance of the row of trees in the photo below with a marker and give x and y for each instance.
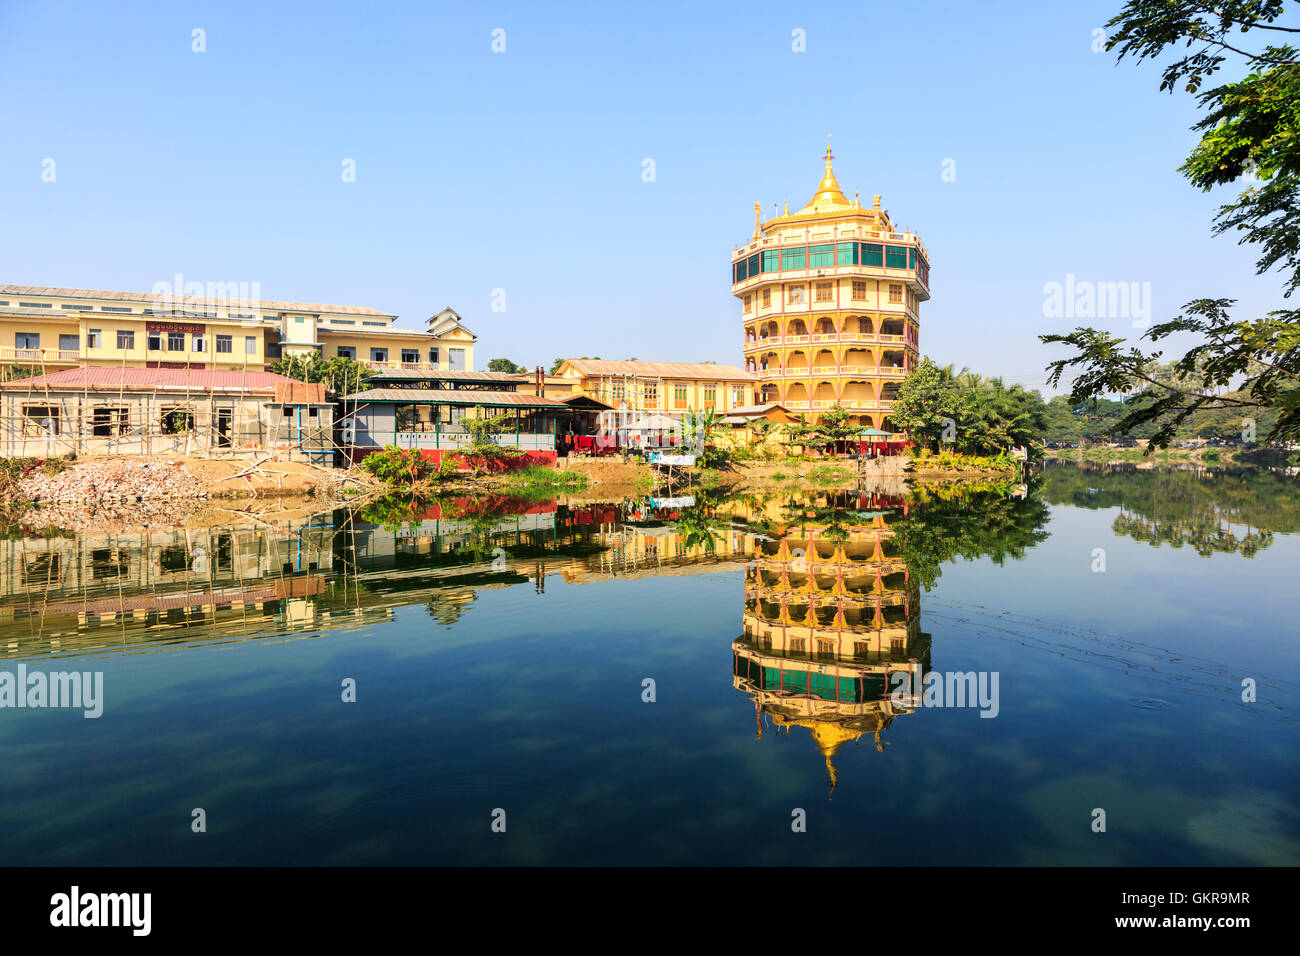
(967, 412)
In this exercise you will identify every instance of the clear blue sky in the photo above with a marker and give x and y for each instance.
(522, 170)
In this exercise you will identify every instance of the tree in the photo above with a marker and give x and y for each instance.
(505, 365)
(340, 375)
(926, 403)
(1250, 130)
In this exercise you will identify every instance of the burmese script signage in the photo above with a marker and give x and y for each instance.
(194, 328)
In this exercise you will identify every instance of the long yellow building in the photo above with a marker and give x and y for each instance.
(52, 328)
(665, 388)
(830, 297)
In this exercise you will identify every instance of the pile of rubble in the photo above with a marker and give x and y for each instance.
(94, 483)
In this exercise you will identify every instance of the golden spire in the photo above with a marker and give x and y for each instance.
(829, 197)
(758, 230)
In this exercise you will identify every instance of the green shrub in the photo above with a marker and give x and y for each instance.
(399, 466)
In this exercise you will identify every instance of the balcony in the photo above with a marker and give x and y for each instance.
(39, 356)
(855, 371)
(842, 338)
(410, 366)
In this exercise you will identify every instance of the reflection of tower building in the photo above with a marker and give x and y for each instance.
(831, 613)
(830, 298)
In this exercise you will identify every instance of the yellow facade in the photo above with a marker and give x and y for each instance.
(830, 299)
(665, 388)
(48, 328)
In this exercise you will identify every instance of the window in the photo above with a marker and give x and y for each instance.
(737, 396)
(109, 421)
(40, 421)
(154, 341)
(847, 253)
(767, 297)
(825, 647)
(433, 356)
(379, 355)
(177, 419)
(380, 324)
(340, 321)
(825, 291)
(199, 344)
(616, 392)
(76, 308)
(27, 340)
(299, 318)
(873, 254)
(859, 290)
(896, 257)
(250, 344)
(225, 344)
(35, 305)
(821, 257)
(410, 355)
(749, 302)
(114, 308)
(710, 396)
(175, 341)
(69, 343)
(42, 569)
(771, 260)
(792, 258)
(94, 338)
(651, 393)
(108, 563)
(679, 396)
(456, 359)
(797, 645)
(347, 351)
(798, 295)
(895, 292)
(126, 338)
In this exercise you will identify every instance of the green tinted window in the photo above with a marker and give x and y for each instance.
(848, 254)
(873, 254)
(771, 261)
(911, 258)
(896, 257)
(752, 265)
(792, 258)
(821, 257)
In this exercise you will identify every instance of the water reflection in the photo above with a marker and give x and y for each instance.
(831, 615)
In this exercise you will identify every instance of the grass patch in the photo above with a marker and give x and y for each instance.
(539, 481)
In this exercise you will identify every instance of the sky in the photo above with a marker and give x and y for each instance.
(512, 185)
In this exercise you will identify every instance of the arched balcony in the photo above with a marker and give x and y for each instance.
(825, 327)
(857, 394)
(797, 327)
(824, 393)
(858, 360)
(796, 395)
(824, 361)
(797, 362)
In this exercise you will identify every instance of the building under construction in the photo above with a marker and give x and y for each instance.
(156, 411)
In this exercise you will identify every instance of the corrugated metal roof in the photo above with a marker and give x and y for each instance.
(440, 396)
(686, 370)
(436, 375)
(267, 304)
(102, 378)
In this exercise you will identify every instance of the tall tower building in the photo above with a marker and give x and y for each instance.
(831, 297)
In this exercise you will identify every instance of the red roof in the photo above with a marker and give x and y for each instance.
(100, 379)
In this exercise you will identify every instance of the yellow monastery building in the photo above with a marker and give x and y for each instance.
(665, 388)
(830, 298)
(49, 328)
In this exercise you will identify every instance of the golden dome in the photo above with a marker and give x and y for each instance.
(829, 197)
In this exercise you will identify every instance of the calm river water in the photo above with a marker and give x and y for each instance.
(760, 678)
